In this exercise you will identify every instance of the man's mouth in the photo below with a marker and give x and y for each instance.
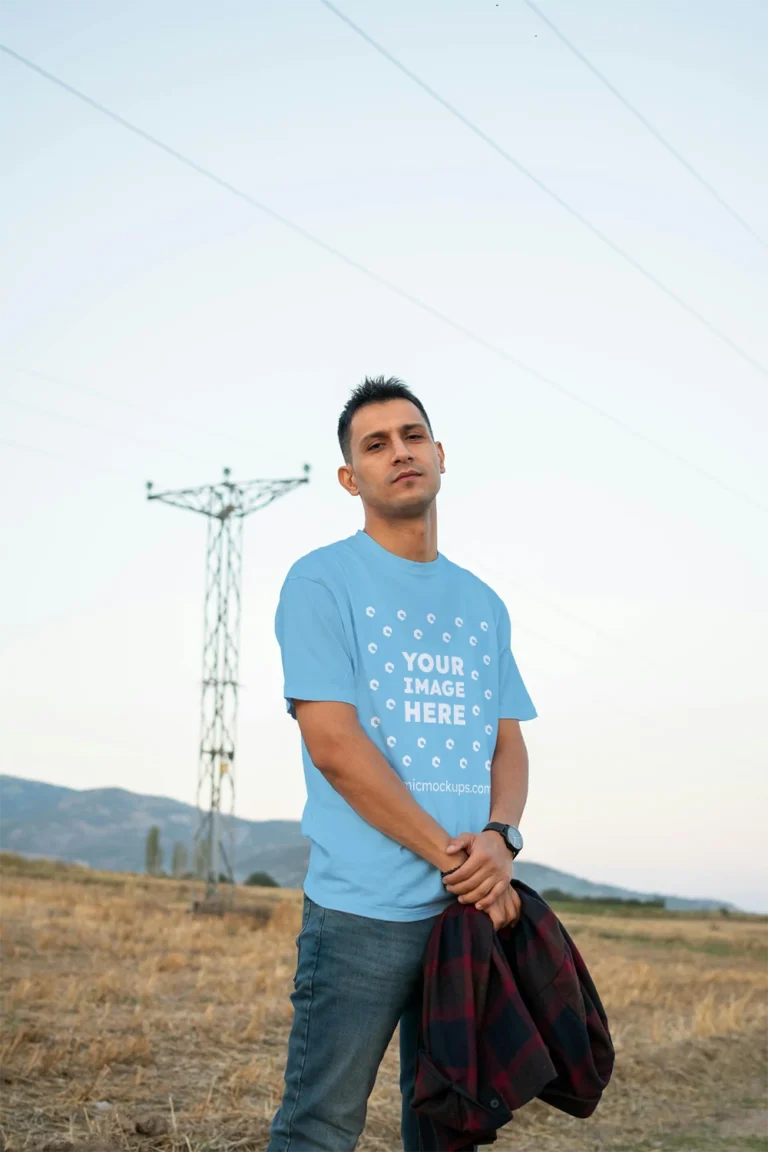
(405, 476)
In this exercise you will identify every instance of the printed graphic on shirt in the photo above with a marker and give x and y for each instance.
(432, 688)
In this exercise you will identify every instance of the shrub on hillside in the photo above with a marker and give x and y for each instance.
(556, 895)
(262, 880)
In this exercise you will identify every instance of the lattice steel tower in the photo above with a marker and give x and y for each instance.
(225, 505)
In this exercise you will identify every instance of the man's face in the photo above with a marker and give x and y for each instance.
(395, 464)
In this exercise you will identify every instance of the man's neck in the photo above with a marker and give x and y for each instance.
(411, 539)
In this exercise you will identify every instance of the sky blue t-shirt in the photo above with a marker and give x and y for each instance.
(422, 650)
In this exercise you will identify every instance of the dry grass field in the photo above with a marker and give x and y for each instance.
(120, 1010)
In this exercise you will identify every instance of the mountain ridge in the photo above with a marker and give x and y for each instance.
(106, 828)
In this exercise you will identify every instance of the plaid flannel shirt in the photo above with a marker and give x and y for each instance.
(506, 1017)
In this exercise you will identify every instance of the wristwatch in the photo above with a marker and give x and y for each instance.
(512, 836)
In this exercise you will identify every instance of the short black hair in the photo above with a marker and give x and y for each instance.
(374, 390)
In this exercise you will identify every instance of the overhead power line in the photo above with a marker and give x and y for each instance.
(20, 447)
(137, 406)
(496, 574)
(78, 461)
(297, 229)
(574, 212)
(88, 427)
(645, 122)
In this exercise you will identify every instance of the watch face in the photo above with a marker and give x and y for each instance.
(514, 838)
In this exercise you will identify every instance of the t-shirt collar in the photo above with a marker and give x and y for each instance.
(367, 546)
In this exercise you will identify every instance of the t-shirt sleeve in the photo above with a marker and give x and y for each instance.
(317, 663)
(514, 701)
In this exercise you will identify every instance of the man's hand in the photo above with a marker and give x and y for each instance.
(506, 910)
(486, 874)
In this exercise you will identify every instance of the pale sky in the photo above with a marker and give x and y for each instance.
(636, 587)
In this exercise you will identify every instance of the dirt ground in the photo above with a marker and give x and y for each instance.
(120, 1010)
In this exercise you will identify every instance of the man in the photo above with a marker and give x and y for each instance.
(399, 672)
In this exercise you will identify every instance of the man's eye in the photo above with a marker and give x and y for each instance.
(415, 435)
(372, 446)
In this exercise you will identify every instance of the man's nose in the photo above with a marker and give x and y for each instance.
(401, 450)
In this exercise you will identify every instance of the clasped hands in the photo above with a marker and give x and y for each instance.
(484, 877)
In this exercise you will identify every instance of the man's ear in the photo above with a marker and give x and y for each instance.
(441, 455)
(347, 480)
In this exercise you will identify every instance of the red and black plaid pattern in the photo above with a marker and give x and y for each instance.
(506, 1017)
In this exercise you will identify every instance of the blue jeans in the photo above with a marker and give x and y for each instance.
(356, 978)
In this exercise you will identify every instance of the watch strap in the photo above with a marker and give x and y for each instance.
(496, 826)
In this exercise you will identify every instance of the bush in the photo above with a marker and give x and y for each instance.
(262, 880)
(556, 895)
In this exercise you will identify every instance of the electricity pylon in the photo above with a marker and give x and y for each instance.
(226, 505)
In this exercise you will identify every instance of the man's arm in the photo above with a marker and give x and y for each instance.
(354, 766)
(486, 875)
(509, 774)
